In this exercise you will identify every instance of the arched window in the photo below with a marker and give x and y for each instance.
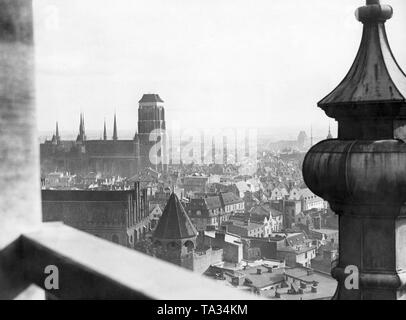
(189, 245)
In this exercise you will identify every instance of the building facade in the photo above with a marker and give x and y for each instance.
(175, 240)
(211, 211)
(122, 217)
(110, 157)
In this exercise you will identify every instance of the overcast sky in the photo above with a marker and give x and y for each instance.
(215, 63)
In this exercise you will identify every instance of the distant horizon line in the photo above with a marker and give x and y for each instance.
(126, 134)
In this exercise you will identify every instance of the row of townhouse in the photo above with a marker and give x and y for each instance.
(261, 221)
(210, 211)
(307, 198)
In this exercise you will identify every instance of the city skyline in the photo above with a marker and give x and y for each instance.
(188, 151)
(235, 60)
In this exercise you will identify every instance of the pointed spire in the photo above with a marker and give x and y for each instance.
(82, 134)
(115, 137)
(83, 127)
(58, 138)
(80, 125)
(79, 137)
(329, 135)
(105, 131)
(174, 222)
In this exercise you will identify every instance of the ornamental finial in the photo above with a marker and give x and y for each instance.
(374, 12)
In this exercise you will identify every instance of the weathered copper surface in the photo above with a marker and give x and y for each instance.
(363, 173)
(358, 172)
(375, 76)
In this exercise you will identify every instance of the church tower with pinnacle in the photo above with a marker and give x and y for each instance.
(175, 236)
(151, 127)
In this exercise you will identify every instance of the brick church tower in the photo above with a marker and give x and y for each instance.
(151, 119)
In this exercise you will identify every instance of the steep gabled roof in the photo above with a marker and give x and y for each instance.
(213, 203)
(174, 223)
(229, 198)
(296, 239)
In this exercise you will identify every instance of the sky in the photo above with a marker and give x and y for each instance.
(215, 63)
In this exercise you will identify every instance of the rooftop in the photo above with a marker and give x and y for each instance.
(85, 195)
(212, 203)
(150, 98)
(230, 198)
(228, 237)
(265, 276)
(325, 231)
(174, 223)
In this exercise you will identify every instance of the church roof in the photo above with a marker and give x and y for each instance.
(151, 98)
(174, 222)
(116, 148)
(375, 76)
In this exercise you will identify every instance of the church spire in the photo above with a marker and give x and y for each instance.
(82, 134)
(79, 137)
(80, 124)
(115, 137)
(58, 138)
(105, 131)
(83, 127)
(329, 136)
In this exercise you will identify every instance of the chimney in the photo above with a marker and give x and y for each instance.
(220, 236)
